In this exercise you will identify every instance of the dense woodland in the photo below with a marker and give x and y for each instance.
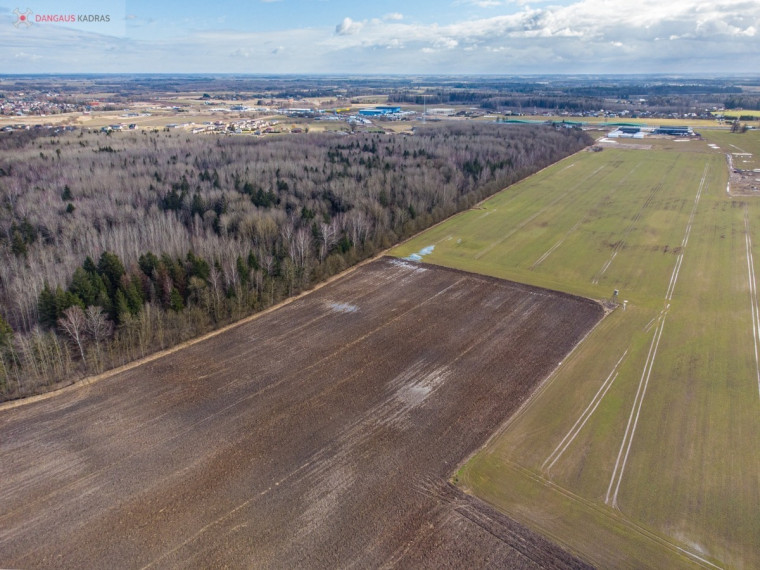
(116, 245)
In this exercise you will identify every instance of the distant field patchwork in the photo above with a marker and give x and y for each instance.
(640, 451)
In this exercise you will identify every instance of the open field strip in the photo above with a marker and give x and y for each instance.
(740, 112)
(685, 241)
(691, 488)
(533, 216)
(608, 538)
(556, 245)
(691, 473)
(753, 294)
(600, 212)
(620, 244)
(633, 420)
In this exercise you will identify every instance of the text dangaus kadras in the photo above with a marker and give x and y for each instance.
(64, 18)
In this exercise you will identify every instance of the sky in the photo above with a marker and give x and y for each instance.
(450, 37)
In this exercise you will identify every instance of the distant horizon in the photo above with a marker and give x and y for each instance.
(417, 37)
(664, 75)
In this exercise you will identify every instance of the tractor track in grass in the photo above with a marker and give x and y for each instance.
(754, 306)
(583, 418)
(611, 498)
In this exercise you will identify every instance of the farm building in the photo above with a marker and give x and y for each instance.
(674, 131)
(627, 132)
(379, 111)
(446, 111)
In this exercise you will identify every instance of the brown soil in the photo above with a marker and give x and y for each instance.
(745, 183)
(320, 435)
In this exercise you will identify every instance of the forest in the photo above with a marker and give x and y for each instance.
(115, 245)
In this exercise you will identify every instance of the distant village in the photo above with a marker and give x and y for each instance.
(276, 118)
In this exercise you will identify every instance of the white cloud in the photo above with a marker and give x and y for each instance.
(348, 27)
(20, 55)
(497, 3)
(580, 33)
(586, 36)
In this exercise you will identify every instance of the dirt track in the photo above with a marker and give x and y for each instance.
(320, 435)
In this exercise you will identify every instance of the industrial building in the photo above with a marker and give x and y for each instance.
(446, 111)
(379, 111)
(628, 131)
(674, 131)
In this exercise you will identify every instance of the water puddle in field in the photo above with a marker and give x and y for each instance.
(421, 253)
(409, 266)
(411, 389)
(342, 307)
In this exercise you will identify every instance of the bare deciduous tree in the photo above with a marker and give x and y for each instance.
(327, 238)
(74, 324)
(98, 326)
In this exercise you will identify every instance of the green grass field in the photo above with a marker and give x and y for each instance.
(641, 449)
(744, 147)
(645, 121)
(743, 113)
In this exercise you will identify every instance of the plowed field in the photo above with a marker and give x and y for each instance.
(319, 435)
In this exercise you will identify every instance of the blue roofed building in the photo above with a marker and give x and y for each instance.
(379, 111)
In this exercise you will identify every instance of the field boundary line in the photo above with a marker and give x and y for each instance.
(752, 294)
(584, 417)
(617, 516)
(531, 399)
